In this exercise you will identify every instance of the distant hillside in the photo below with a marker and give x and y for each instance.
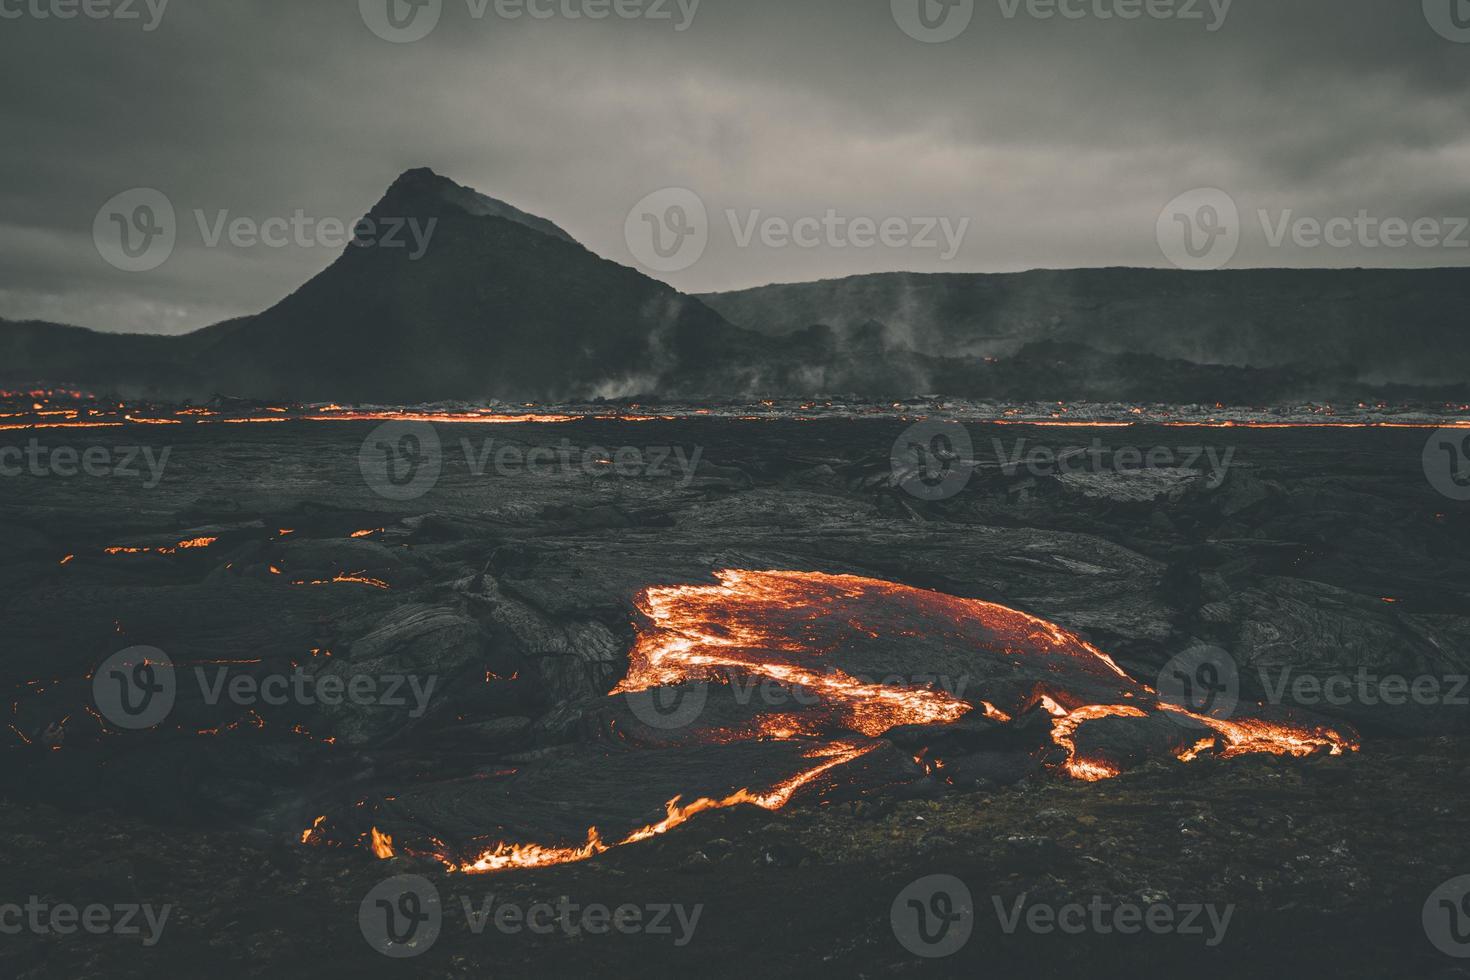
(34, 351)
(1396, 325)
(502, 304)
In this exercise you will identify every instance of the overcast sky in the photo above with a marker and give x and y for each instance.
(1059, 140)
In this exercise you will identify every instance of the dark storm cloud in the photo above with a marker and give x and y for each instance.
(1059, 139)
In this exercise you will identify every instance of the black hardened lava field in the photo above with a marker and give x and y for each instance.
(883, 488)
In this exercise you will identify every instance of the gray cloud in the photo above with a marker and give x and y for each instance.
(1059, 139)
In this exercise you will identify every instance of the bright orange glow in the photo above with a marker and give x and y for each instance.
(791, 628)
(445, 418)
(504, 856)
(1246, 736)
(191, 545)
(87, 413)
(382, 845)
(1064, 728)
(755, 621)
(353, 578)
(314, 831)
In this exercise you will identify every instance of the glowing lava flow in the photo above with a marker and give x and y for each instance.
(784, 625)
(779, 625)
(505, 856)
(53, 409)
(821, 633)
(192, 544)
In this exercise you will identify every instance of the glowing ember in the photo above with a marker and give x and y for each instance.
(382, 845)
(313, 833)
(351, 578)
(191, 545)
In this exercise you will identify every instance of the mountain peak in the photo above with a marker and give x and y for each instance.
(421, 192)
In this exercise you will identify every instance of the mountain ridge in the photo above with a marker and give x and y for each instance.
(1397, 325)
(500, 304)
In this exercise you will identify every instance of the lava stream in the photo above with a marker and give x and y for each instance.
(820, 632)
(505, 855)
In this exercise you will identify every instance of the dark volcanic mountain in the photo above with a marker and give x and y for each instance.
(1380, 324)
(501, 304)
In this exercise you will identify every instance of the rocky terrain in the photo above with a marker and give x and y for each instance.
(513, 583)
(1327, 863)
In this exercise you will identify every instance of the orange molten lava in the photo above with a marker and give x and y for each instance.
(191, 545)
(755, 621)
(1064, 728)
(505, 855)
(382, 845)
(350, 578)
(778, 625)
(794, 628)
(64, 410)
